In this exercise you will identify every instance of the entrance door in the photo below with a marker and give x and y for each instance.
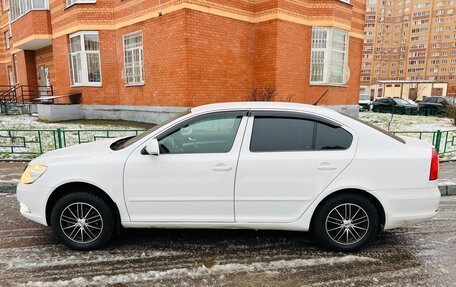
(43, 80)
(11, 75)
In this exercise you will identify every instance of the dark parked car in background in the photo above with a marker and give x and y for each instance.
(433, 105)
(394, 105)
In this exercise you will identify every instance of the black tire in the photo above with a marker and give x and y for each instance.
(95, 221)
(326, 228)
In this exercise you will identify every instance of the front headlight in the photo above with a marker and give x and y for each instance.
(32, 173)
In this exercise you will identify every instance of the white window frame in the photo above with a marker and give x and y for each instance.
(19, 8)
(140, 63)
(73, 2)
(6, 34)
(326, 80)
(84, 66)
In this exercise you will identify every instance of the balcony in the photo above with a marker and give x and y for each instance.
(30, 24)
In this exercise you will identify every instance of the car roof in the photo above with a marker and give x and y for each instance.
(261, 105)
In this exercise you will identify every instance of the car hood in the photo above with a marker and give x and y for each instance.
(77, 152)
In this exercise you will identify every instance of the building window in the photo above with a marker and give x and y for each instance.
(72, 2)
(133, 56)
(329, 56)
(15, 68)
(7, 39)
(18, 8)
(85, 68)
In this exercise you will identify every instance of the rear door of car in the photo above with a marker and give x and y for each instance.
(286, 160)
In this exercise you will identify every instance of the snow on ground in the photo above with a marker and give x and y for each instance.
(32, 122)
(413, 124)
(49, 259)
(407, 123)
(204, 271)
(91, 130)
(396, 123)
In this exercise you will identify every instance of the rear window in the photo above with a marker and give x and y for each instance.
(276, 134)
(332, 138)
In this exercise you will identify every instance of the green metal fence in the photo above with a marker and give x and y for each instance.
(25, 143)
(31, 143)
(443, 141)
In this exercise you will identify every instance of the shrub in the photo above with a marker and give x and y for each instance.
(266, 94)
(450, 110)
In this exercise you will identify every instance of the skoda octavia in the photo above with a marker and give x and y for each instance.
(278, 166)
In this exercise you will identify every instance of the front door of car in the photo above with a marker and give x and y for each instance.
(286, 161)
(192, 179)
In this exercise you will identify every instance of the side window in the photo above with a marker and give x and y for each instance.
(212, 134)
(280, 134)
(271, 134)
(332, 138)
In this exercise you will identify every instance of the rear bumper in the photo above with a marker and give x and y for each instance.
(32, 199)
(404, 207)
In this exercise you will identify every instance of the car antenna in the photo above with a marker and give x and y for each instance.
(319, 99)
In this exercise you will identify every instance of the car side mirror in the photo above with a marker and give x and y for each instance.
(152, 147)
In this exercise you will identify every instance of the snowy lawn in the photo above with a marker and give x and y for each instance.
(413, 124)
(29, 144)
(94, 130)
(32, 123)
(402, 123)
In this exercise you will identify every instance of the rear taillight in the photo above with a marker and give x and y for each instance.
(434, 173)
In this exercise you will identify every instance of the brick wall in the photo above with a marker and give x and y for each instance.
(195, 54)
(34, 23)
(3, 75)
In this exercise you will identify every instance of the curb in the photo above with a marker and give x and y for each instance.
(445, 190)
(8, 187)
(449, 189)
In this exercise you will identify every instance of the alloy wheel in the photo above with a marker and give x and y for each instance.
(347, 224)
(81, 222)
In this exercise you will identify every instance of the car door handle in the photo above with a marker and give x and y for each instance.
(221, 168)
(327, 166)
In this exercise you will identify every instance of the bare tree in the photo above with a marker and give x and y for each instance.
(266, 94)
(450, 110)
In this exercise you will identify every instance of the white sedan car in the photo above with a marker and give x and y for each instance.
(255, 165)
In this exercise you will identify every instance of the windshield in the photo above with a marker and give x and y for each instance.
(401, 101)
(364, 97)
(125, 142)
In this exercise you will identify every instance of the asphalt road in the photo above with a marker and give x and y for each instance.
(422, 255)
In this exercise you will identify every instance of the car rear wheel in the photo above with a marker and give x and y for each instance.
(83, 221)
(346, 222)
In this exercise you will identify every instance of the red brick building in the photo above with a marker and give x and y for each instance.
(181, 53)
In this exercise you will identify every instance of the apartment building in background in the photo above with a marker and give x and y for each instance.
(161, 56)
(410, 40)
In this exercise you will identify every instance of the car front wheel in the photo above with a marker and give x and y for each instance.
(346, 222)
(83, 221)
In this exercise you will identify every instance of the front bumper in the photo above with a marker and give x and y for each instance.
(32, 199)
(406, 207)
